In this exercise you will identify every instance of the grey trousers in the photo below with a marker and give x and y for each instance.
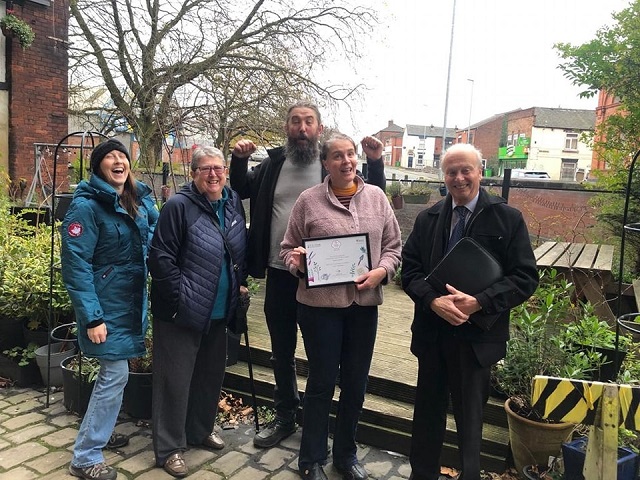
(188, 370)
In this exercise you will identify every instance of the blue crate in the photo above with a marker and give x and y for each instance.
(574, 453)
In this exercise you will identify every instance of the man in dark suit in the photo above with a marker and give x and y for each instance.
(454, 354)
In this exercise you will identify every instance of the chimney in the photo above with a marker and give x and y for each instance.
(390, 123)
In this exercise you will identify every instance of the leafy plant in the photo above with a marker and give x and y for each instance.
(545, 333)
(90, 367)
(25, 276)
(394, 189)
(23, 355)
(417, 188)
(253, 286)
(588, 329)
(18, 28)
(397, 277)
(144, 364)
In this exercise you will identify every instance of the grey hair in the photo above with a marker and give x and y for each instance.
(335, 136)
(202, 152)
(304, 104)
(461, 148)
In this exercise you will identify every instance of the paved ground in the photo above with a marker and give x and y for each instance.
(36, 442)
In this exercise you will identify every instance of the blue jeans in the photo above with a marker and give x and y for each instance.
(102, 413)
(336, 340)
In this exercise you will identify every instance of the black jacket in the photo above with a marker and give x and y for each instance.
(259, 186)
(502, 231)
(185, 258)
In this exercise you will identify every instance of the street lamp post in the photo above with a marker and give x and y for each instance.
(446, 96)
(470, 107)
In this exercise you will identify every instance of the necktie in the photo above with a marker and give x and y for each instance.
(458, 229)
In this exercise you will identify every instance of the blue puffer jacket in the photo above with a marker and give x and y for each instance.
(186, 258)
(103, 266)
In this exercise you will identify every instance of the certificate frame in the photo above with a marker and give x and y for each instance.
(336, 260)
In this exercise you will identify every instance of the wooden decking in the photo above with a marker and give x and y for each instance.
(388, 406)
(392, 359)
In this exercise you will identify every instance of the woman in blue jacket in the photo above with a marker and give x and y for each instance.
(197, 266)
(105, 238)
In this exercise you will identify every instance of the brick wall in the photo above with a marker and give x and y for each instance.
(487, 138)
(37, 82)
(550, 214)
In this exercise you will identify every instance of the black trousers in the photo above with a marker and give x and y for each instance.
(188, 370)
(280, 309)
(448, 367)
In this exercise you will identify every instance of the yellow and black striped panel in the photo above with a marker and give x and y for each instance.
(576, 401)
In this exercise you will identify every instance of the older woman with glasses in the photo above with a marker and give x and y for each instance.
(197, 268)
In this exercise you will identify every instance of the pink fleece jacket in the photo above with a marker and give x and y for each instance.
(318, 213)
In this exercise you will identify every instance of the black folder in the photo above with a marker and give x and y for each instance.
(469, 268)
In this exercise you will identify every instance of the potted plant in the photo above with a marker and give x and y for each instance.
(79, 374)
(595, 338)
(25, 280)
(417, 193)
(137, 399)
(535, 348)
(395, 192)
(18, 364)
(13, 26)
(49, 359)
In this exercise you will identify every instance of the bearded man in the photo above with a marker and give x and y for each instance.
(273, 187)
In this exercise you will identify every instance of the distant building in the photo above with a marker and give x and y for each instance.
(391, 138)
(537, 138)
(33, 89)
(608, 104)
(422, 146)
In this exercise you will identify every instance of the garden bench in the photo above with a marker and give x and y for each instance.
(587, 265)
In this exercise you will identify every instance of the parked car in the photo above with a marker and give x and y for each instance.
(520, 173)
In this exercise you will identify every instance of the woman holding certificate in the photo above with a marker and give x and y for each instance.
(348, 228)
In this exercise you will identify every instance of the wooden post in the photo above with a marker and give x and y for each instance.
(606, 406)
(601, 462)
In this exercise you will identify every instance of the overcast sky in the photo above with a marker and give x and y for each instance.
(505, 46)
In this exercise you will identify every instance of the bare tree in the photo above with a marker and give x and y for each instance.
(221, 65)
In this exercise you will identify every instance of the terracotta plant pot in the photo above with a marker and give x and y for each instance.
(532, 443)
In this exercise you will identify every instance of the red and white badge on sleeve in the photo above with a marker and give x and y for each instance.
(75, 229)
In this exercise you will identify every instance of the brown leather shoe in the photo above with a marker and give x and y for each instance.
(213, 441)
(176, 466)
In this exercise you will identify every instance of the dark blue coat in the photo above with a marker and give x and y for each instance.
(103, 266)
(186, 258)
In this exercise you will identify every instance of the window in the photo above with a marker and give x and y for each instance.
(571, 141)
(420, 159)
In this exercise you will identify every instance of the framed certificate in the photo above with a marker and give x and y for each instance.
(336, 260)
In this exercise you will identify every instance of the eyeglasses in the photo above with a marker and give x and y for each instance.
(217, 169)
